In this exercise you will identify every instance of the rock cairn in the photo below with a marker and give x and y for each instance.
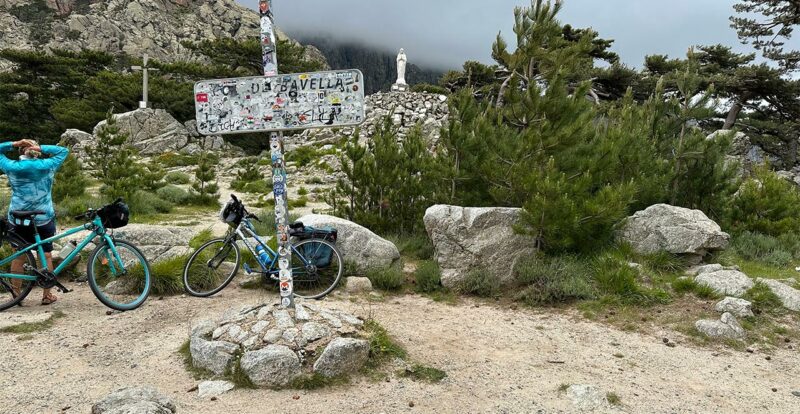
(275, 346)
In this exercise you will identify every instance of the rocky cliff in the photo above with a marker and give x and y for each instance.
(158, 27)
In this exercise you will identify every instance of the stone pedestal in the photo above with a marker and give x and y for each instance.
(400, 87)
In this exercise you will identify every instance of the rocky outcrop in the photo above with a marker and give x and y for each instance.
(278, 345)
(467, 238)
(157, 242)
(726, 282)
(727, 328)
(673, 229)
(140, 400)
(357, 244)
(156, 27)
(406, 110)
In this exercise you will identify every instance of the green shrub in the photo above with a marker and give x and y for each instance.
(684, 285)
(766, 204)
(177, 177)
(302, 191)
(256, 187)
(387, 278)
(428, 88)
(428, 277)
(764, 300)
(143, 202)
(776, 251)
(172, 160)
(552, 280)
(167, 276)
(417, 246)
(664, 262)
(479, 282)
(303, 156)
(300, 202)
(173, 194)
(615, 277)
(74, 206)
(70, 181)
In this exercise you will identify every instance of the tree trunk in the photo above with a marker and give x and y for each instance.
(733, 115)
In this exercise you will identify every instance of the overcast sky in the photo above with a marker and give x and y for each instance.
(445, 33)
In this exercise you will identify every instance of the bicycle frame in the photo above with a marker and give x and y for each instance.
(97, 230)
(247, 228)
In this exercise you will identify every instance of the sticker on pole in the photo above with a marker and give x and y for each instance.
(280, 103)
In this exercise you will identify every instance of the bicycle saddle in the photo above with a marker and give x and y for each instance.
(25, 214)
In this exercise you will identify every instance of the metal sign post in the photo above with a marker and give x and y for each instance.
(277, 103)
(270, 59)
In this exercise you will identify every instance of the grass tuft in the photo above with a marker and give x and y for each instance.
(418, 372)
(552, 280)
(388, 279)
(764, 300)
(31, 327)
(428, 277)
(613, 399)
(479, 282)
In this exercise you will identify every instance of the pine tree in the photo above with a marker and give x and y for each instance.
(770, 31)
(70, 180)
(206, 177)
(113, 162)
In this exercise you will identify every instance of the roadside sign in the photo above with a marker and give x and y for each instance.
(280, 103)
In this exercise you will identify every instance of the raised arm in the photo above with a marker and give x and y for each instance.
(4, 148)
(57, 154)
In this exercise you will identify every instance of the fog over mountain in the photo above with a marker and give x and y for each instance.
(445, 33)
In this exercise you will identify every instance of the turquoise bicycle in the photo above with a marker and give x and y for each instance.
(117, 271)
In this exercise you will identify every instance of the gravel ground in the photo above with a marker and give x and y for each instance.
(497, 361)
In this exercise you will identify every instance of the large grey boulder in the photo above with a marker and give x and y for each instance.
(157, 242)
(342, 356)
(735, 306)
(465, 238)
(140, 400)
(273, 366)
(151, 131)
(727, 327)
(357, 243)
(214, 356)
(677, 230)
(789, 296)
(726, 282)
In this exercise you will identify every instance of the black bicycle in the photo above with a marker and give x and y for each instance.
(317, 264)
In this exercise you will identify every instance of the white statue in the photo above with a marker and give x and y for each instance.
(401, 68)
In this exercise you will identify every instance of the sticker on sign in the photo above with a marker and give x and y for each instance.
(280, 103)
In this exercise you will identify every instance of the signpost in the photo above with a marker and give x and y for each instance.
(278, 103)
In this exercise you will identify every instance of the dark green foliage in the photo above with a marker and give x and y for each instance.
(416, 246)
(775, 251)
(428, 88)
(428, 277)
(474, 76)
(205, 179)
(766, 204)
(768, 25)
(388, 186)
(143, 202)
(389, 278)
(113, 162)
(616, 278)
(40, 19)
(553, 280)
(70, 181)
(152, 176)
(418, 372)
(303, 156)
(480, 282)
(246, 175)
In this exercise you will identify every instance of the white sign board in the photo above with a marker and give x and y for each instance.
(280, 103)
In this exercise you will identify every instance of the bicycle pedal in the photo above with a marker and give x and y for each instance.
(62, 288)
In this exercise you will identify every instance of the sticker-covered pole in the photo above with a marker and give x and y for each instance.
(270, 56)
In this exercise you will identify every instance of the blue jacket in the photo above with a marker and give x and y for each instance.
(32, 180)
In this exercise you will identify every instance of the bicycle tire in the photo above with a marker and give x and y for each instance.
(131, 270)
(27, 286)
(298, 277)
(187, 284)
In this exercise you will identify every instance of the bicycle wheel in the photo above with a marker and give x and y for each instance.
(13, 291)
(211, 268)
(120, 283)
(317, 267)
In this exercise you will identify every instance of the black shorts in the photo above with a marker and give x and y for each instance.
(46, 231)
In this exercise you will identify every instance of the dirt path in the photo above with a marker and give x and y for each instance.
(497, 361)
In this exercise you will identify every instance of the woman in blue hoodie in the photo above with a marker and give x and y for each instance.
(31, 180)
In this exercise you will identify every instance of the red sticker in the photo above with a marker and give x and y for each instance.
(202, 97)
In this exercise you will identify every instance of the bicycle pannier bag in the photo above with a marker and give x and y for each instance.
(319, 255)
(114, 215)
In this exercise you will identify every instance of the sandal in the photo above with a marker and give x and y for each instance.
(49, 300)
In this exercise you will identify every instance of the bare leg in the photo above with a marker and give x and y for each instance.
(17, 267)
(47, 293)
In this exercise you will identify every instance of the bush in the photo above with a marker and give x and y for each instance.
(551, 280)
(143, 202)
(428, 88)
(428, 277)
(776, 251)
(615, 277)
(178, 177)
(684, 285)
(167, 276)
(479, 282)
(389, 278)
(73, 206)
(302, 191)
(173, 194)
(300, 202)
(256, 187)
(766, 204)
(172, 160)
(417, 246)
